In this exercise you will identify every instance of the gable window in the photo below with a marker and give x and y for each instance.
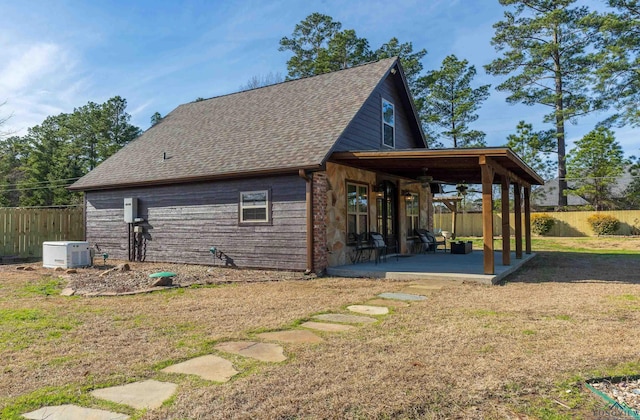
(412, 210)
(357, 210)
(388, 124)
(254, 206)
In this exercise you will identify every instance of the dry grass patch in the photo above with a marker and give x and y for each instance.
(468, 351)
(116, 339)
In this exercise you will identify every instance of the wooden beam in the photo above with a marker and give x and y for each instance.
(517, 208)
(506, 234)
(454, 221)
(451, 205)
(487, 217)
(527, 220)
(501, 170)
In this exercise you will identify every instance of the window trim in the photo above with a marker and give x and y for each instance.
(415, 199)
(266, 206)
(393, 126)
(357, 213)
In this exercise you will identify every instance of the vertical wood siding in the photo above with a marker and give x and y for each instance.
(182, 222)
(23, 230)
(365, 131)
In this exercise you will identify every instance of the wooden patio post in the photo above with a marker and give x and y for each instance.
(527, 219)
(517, 208)
(487, 214)
(454, 218)
(506, 234)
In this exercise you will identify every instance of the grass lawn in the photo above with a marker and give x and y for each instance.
(521, 350)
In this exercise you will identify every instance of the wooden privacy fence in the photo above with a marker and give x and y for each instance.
(23, 230)
(572, 223)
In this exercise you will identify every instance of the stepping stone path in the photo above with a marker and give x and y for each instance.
(265, 352)
(369, 310)
(209, 367)
(402, 296)
(387, 302)
(347, 319)
(73, 412)
(151, 394)
(292, 336)
(146, 394)
(323, 326)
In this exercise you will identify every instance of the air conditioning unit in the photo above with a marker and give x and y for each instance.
(65, 254)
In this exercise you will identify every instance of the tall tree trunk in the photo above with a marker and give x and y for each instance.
(559, 111)
(453, 127)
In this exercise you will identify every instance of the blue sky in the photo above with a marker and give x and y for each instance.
(57, 55)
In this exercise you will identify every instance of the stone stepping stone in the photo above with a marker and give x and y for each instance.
(209, 367)
(265, 352)
(292, 336)
(369, 310)
(347, 319)
(402, 296)
(73, 412)
(323, 326)
(387, 302)
(139, 395)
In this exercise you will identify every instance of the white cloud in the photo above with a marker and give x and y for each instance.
(38, 80)
(29, 66)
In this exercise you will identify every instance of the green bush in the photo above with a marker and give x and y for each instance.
(541, 224)
(603, 224)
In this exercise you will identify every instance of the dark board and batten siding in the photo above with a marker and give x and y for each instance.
(184, 221)
(365, 131)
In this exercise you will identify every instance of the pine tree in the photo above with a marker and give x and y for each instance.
(545, 52)
(448, 101)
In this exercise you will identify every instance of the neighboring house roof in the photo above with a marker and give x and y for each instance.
(287, 126)
(547, 195)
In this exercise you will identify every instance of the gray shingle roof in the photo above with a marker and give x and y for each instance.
(290, 125)
(547, 195)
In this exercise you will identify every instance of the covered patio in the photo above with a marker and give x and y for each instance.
(438, 266)
(487, 167)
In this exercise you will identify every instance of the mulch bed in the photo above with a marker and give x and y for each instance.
(89, 281)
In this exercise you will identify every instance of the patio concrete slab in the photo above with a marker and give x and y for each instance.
(347, 319)
(292, 336)
(323, 326)
(438, 266)
(265, 352)
(368, 309)
(73, 412)
(402, 296)
(387, 302)
(209, 367)
(139, 395)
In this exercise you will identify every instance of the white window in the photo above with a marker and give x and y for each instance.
(254, 206)
(388, 124)
(357, 210)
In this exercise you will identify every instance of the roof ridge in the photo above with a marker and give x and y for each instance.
(290, 80)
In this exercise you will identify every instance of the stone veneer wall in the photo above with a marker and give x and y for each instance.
(337, 176)
(336, 213)
(320, 250)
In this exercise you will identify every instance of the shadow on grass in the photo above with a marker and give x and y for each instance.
(570, 267)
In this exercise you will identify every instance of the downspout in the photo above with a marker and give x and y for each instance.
(309, 197)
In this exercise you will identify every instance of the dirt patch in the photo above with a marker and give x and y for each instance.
(107, 279)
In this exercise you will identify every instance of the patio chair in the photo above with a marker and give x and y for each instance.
(362, 246)
(429, 241)
(379, 246)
